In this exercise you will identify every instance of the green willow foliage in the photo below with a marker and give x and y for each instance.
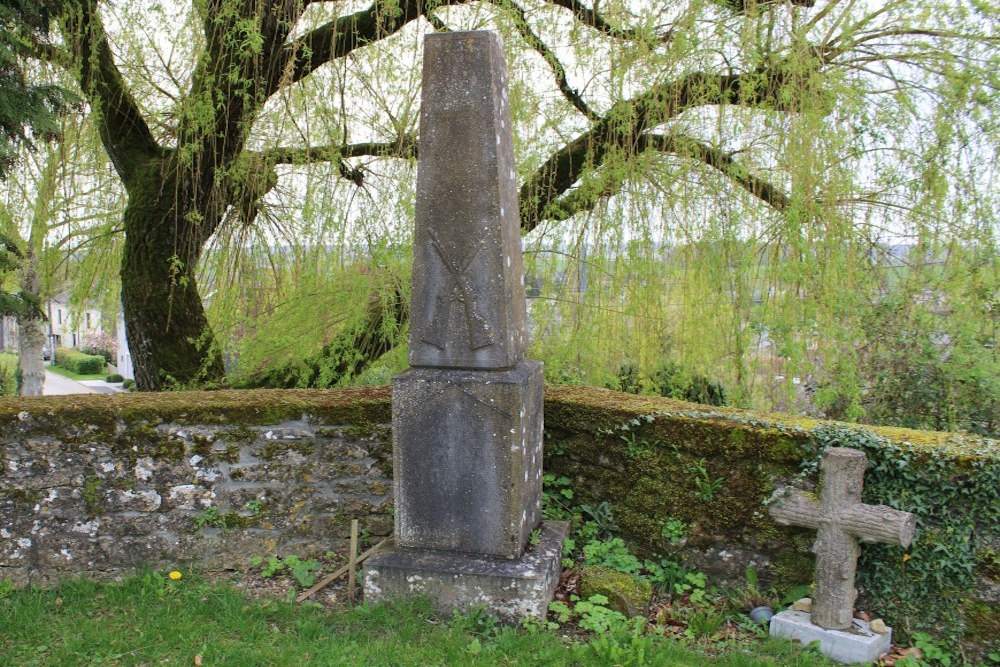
(738, 188)
(772, 271)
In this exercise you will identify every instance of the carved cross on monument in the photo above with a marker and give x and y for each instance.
(456, 289)
(841, 519)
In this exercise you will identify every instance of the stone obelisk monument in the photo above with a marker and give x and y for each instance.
(467, 415)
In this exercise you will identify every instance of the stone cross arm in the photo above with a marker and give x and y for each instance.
(868, 523)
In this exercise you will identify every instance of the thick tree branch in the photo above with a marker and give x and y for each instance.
(592, 18)
(230, 83)
(714, 157)
(622, 129)
(123, 130)
(404, 147)
(338, 38)
(742, 6)
(585, 197)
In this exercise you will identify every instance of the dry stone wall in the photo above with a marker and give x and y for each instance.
(102, 486)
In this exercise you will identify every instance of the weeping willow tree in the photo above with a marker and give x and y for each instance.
(61, 211)
(722, 172)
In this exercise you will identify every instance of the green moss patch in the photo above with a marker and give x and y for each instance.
(624, 593)
(358, 406)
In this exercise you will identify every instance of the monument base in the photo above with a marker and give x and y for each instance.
(508, 589)
(855, 645)
(467, 458)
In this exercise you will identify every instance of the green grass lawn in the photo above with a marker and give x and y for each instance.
(59, 370)
(151, 620)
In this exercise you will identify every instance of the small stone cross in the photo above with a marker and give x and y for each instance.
(841, 519)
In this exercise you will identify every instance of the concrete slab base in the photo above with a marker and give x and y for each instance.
(856, 645)
(508, 589)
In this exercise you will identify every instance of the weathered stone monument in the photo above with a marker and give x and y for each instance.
(841, 520)
(467, 415)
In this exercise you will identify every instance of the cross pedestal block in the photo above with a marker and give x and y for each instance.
(857, 644)
(467, 457)
(504, 588)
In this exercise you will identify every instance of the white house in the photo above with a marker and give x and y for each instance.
(66, 328)
(124, 364)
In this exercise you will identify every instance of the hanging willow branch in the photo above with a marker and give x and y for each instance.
(209, 162)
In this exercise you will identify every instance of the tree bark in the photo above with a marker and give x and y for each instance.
(30, 337)
(169, 337)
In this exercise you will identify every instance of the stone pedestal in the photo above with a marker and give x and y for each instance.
(506, 589)
(856, 644)
(467, 458)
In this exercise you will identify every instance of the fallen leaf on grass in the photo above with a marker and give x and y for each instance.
(900, 653)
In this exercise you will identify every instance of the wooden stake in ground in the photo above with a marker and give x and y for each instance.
(352, 564)
(327, 580)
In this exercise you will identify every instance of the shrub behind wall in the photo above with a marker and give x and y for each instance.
(79, 362)
(8, 374)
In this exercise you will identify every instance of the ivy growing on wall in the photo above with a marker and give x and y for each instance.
(956, 500)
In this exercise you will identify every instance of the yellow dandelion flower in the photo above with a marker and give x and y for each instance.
(906, 557)
(175, 575)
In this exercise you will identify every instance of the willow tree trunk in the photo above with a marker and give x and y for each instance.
(169, 338)
(30, 337)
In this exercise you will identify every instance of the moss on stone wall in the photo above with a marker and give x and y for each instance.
(653, 459)
(362, 407)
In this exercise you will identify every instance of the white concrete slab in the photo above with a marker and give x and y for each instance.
(856, 645)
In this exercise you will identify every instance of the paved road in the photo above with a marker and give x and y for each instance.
(57, 384)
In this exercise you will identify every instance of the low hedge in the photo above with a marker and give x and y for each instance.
(78, 362)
